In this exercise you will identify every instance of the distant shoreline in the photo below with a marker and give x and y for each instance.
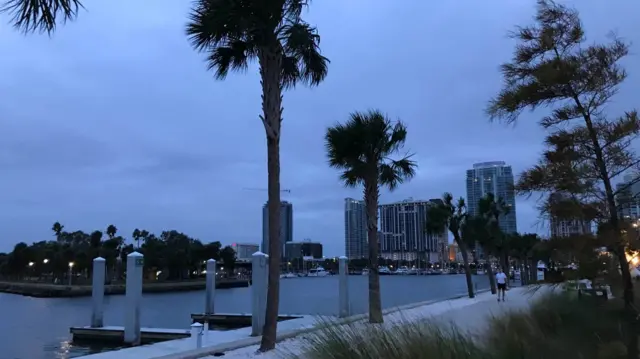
(47, 290)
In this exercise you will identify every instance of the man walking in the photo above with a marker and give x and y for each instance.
(501, 279)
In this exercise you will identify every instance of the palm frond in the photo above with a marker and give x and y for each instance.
(232, 57)
(397, 172)
(214, 23)
(300, 41)
(40, 15)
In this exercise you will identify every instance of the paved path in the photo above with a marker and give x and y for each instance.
(467, 314)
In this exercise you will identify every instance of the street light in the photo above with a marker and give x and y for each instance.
(45, 261)
(71, 272)
(31, 264)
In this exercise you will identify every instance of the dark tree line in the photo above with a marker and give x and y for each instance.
(173, 254)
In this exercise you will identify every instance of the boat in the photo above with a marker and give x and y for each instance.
(317, 272)
(365, 271)
(384, 271)
(288, 275)
(402, 271)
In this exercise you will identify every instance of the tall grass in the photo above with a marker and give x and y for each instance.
(556, 326)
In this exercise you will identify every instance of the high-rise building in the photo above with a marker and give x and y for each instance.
(567, 227)
(305, 249)
(286, 226)
(355, 229)
(245, 251)
(403, 234)
(628, 198)
(497, 178)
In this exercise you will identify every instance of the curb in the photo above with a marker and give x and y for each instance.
(243, 343)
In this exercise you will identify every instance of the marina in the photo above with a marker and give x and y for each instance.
(38, 328)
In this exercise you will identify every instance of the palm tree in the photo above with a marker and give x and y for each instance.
(111, 231)
(452, 216)
(361, 148)
(40, 15)
(57, 230)
(477, 231)
(234, 33)
(492, 209)
(136, 236)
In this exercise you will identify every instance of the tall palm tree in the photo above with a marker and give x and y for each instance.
(478, 231)
(234, 33)
(493, 209)
(40, 15)
(361, 149)
(452, 216)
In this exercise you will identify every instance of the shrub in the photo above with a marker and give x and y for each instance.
(556, 326)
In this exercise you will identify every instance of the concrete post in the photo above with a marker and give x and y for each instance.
(135, 265)
(97, 293)
(196, 334)
(259, 279)
(211, 287)
(343, 290)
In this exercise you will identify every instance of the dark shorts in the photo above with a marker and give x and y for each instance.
(502, 286)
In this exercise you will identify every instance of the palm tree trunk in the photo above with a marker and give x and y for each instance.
(467, 268)
(371, 202)
(492, 278)
(270, 67)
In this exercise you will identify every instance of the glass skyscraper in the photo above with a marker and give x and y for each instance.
(356, 243)
(286, 226)
(497, 178)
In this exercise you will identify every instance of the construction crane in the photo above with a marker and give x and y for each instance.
(265, 189)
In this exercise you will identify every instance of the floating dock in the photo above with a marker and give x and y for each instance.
(115, 334)
(233, 320)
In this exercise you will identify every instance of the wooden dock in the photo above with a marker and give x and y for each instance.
(115, 334)
(226, 321)
(47, 290)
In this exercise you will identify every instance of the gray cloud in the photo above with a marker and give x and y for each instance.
(115, 119)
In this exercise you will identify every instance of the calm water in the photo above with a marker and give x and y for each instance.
(38, 328)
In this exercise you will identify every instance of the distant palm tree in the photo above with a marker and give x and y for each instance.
(111, 231)
(40, 15)
(57, 230)
(493, 209)
(136, 236)
(234, 33)
(453, 217)
(361, 148)
(478, 231)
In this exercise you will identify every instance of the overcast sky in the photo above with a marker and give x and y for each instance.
(115, 120)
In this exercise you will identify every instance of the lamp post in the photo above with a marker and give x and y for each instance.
(70, 272)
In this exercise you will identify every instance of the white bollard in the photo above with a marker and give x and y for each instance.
(343, 290)
(135, 265)
(259, 280)
(210, 287)
(97, 293)
(196, 334)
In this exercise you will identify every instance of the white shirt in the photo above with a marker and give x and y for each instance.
(501, 278)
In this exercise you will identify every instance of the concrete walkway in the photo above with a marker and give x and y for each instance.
(467, 314)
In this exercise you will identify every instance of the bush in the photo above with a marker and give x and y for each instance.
(556, 326)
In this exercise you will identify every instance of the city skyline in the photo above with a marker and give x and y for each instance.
(101, 128)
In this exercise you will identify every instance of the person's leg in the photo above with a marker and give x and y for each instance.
(504, 290)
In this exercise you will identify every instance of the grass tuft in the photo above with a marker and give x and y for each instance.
(556, 326)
